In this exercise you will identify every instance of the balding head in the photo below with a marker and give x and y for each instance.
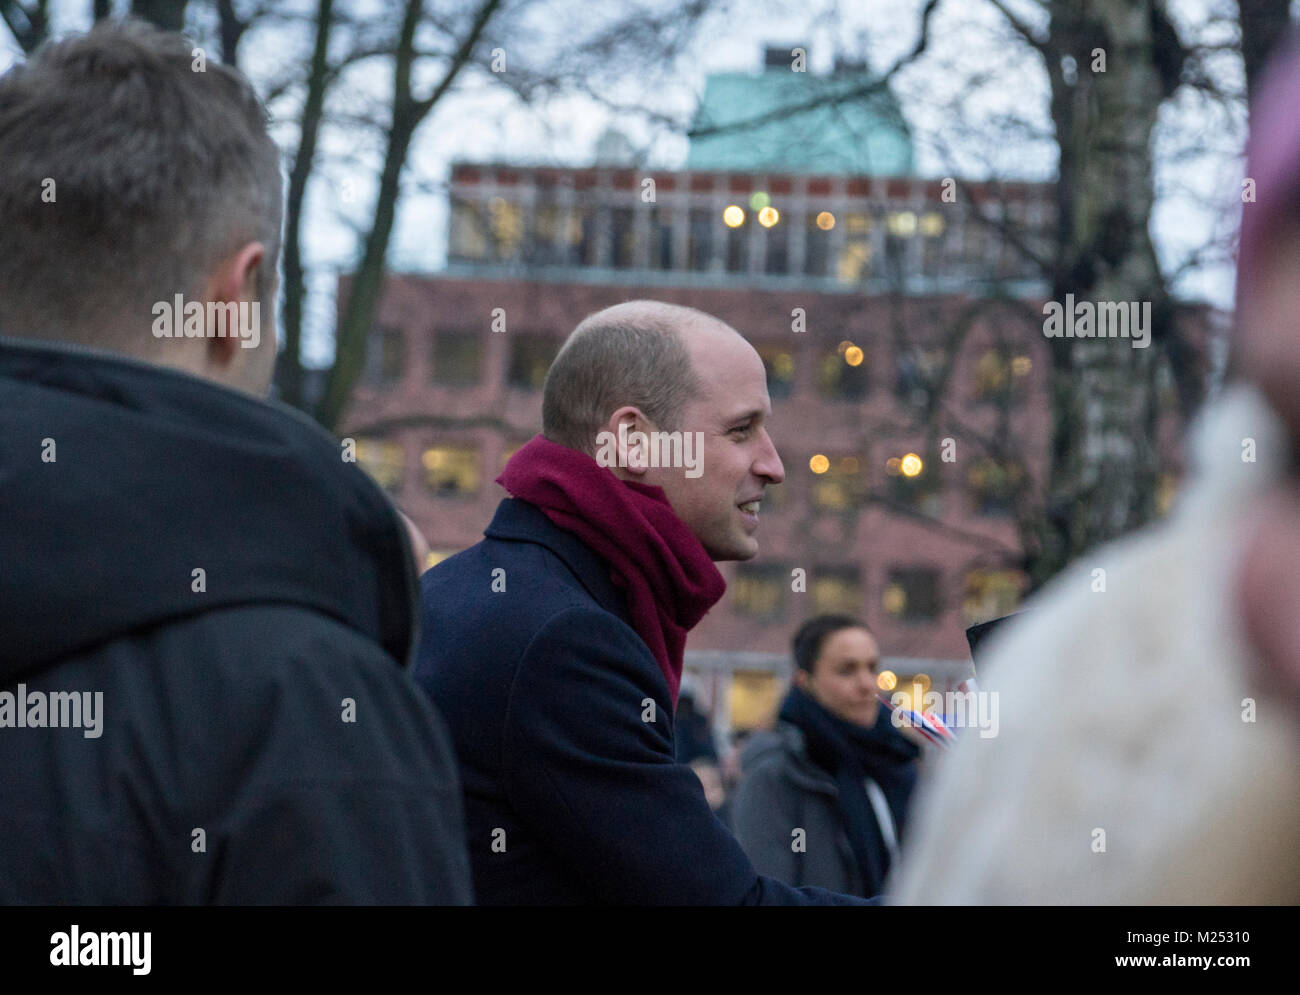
(638, 353)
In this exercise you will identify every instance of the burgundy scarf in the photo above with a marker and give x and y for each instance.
(669, 579)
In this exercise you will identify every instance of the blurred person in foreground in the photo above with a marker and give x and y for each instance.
(1147, 752)
(207, 612)
(555, 645)
(835, 769)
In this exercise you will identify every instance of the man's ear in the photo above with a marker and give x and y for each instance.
(801, 678)
(235, 280)
(631, 440)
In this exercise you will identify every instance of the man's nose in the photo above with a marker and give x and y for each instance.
(768, 463)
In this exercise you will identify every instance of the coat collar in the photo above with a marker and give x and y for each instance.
(788, 740)
(519, 521)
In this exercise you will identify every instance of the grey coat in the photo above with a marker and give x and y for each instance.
(781, 791)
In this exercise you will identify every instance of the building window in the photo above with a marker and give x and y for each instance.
(469, 232)
(738, 249)
(1000, 376)
(451, 471)
(661, 238)
(995, 485)
(990, 594)
(778, 249)
(755, 696)
(895, 258)
(979, 244)
(843, 374)
(700, 244)
(837, 590)
(580, 238)
(383, 460)
(854, 264)
(932, 243)
(932, 224)
(385, 356)
(624, 234)
(913, 485)
(758, 591)
(912, 594)
(456, 358)
(506, 222)
(530, 357)
(917, 372)
(778, 361)
(543, 245)
(837, 483)
(901, 224)
(817, 243)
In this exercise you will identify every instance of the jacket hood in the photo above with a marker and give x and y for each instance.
(120, 479)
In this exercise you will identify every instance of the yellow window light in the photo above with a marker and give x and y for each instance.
(733, 216)
(932, 224)
(903, 223)
(911, 465)
(819, 464)
(894, 600)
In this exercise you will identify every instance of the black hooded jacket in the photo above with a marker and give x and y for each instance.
(217, 610)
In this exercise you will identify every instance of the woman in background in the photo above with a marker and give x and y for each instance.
(823, 798)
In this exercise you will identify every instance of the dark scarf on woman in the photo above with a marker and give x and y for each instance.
(850, 753)
(668, 577)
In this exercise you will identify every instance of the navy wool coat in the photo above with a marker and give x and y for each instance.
(563, 726)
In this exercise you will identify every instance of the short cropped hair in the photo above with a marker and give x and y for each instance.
(127, 174)
(608, 363)
(812, 635)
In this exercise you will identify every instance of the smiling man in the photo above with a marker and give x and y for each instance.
(555, 645)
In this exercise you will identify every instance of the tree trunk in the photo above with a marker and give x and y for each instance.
(295, 288)
(1104, 462)
(363, 301)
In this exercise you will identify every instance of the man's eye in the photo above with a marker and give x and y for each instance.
(742, 429)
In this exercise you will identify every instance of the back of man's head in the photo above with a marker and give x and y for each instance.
(129, 170)
(629, 354)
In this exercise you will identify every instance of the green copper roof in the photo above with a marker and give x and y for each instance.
(848, 133)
